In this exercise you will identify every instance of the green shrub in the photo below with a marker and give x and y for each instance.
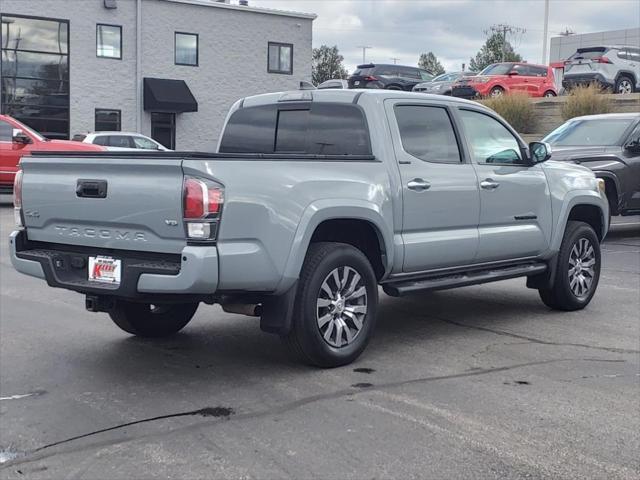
(517, 109)
(585, 100)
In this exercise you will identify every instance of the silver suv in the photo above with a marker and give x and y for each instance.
(614, 67)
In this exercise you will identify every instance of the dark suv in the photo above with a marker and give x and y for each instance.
(390, 77)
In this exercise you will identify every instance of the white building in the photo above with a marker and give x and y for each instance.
(564, 46)
(169, 69)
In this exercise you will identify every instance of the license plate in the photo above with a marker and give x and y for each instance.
(105, 270)
(357, 82)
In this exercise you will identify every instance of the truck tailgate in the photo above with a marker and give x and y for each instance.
(141, 208)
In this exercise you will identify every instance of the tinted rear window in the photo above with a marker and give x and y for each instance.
(321, 129)
(589, 54)
(363, 72)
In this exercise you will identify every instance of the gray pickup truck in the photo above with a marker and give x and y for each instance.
(313, 200)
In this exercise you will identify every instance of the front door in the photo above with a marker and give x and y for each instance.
(439, 187)
(515, 214)
(163, 129)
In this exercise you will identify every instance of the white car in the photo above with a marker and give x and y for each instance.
(121, 141)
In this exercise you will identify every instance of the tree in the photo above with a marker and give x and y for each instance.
(327, 64)
(430, 63)
(491, 52)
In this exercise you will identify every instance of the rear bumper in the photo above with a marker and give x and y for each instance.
(577, 79)
(193, 272)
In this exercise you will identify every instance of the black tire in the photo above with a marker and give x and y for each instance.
(306, 341)
(496, 92)
(550, 94)
(561, 296)
(146, 320)
(624, 85)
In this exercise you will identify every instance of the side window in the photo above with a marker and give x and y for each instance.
(6, 132)
(521, 70)
(633, 54)
(427, 133)
(101, 140)
(407, 72)
(490, 141)
(144, 143)
(623, 55)
(537, 71)
(120, 141)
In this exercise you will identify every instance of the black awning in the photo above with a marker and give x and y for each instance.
(168, 96)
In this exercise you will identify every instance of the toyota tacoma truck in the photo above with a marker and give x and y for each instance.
(312, 201)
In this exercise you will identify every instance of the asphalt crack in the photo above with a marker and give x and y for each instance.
(536, 340)
(36, 454)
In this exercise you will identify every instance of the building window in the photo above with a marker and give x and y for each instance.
(109, 41)
(186, 48)
(280, 58)
(108, 120)
(35, 73)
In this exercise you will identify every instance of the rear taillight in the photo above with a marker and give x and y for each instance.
(202, 206)
(371, 78)
(17, 199)
(602, 59)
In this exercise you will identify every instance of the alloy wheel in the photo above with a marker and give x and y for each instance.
(496, 92)
(625, 86)
(582, 265)
(341, 306)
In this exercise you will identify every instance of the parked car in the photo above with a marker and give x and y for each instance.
(410, 192)
(610, 146)
(503, 78)
(120, 141)
(390, 77)
(614, 67)
(16, 140)
(333, 84)
(442, 83)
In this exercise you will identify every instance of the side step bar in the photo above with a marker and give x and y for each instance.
(462, 279)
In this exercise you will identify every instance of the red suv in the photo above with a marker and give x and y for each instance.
(503, 78)
(16, 140)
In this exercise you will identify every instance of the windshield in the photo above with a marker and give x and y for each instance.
(497, 69)
(603, 132)
(31, 131)
(446, 77)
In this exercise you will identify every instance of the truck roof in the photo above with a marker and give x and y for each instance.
(344, 96)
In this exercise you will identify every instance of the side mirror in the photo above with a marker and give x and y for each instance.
(539, 152)
(20, 137)
(633, 146)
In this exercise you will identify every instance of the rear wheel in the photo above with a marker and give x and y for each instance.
(577, 270)
(624, 85)
(549, 94)
(335, 310)
(149, 320)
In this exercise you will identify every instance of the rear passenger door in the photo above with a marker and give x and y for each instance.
(441, 204)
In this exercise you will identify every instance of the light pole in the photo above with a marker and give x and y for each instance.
(546, 32)
(364, 53)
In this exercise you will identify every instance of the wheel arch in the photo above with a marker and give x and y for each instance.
(627, 73)
(588, 207)
(357, 221)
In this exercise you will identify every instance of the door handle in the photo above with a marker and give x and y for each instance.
(489, 184)
(418, 184)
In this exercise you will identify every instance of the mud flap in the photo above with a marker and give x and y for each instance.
(277, 312)
(546, 279)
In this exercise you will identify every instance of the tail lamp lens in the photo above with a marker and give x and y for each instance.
(203, 201)
(17, 199)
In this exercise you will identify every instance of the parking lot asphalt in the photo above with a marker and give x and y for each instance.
(479, 382)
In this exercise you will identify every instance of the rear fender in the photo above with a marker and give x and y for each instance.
(332, 209)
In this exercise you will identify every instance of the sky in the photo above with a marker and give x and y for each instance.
(453, 29)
